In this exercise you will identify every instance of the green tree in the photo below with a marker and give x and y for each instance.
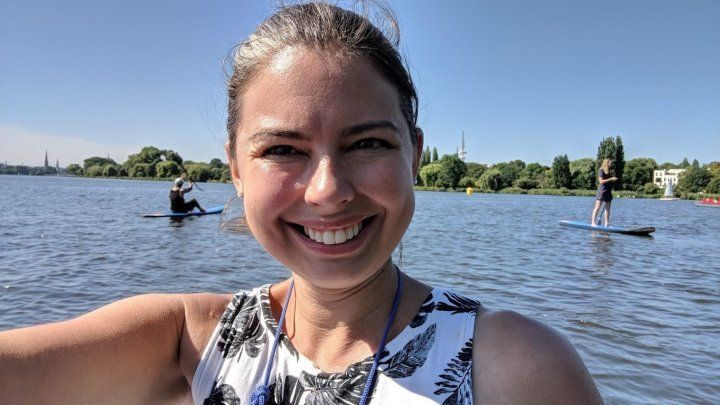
(619, 164)
(510, 171)
(684, 164)
(429, 174)
(94, 171)
(651, 188)
(425, 157)
(638, 172)
(584, 176)
(434, 155)
(713, 186)
(74, 169)
(139, 170)
(694, 179)
(110, 171)
(561, 172)
(532, 171)
(526, 183)
(199, 171)
(217, 163)
(466, 181)
(490, 180)
(668, 165)
(97, 161)
(167, 168)
(613, 149)
(148, 154)
(475, 170)
(452, 169)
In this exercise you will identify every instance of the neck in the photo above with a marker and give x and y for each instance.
(334, 327)
(332, 308)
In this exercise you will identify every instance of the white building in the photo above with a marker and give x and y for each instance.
(461, 152)
(661, 177)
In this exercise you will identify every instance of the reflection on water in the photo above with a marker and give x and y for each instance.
(644, 313)
(602, 244)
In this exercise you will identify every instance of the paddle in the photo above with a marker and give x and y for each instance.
(189, 178)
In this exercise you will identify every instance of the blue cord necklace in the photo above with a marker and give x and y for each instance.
(261, 394)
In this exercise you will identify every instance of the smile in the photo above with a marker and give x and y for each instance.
(334, 236)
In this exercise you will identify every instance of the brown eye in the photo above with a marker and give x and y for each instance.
(370, 143)
(280, 150)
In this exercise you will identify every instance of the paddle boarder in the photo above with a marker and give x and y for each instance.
(323, 146)
(177, 197)
(604, 192)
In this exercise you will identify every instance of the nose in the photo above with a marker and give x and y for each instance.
(329, 185)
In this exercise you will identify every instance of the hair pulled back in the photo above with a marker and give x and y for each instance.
(322, 27)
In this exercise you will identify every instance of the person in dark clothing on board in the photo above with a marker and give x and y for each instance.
(604, 192)
(177, 197)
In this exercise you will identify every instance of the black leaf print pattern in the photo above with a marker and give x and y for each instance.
(412, 356)
(456, 379)
(337, 388)
(288, 392)
(242, 331)
(271, 323)
(427, 307)
(457, 304)
(222, 395)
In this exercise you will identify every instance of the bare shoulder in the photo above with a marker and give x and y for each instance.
(201, 314)
(519, 360)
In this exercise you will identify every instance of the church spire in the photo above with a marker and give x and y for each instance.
(46, 160)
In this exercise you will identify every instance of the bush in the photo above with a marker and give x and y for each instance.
(139, 170)
(110, 171)
(651, 188)
(199, 172)
(466, 181)
(490, 180)
(168, 168)
(713, 186)
(94, 171)
(526, 184)
(513, 190)
(74, 170)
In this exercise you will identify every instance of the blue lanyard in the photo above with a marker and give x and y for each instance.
(261, 394)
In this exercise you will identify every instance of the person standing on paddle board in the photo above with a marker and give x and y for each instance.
(177, 197)
(323, 146)
(604, 192)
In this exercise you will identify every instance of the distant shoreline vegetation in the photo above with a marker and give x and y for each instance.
(446, 173)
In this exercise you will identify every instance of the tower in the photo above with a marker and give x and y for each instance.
(461, 151)
(46, 161)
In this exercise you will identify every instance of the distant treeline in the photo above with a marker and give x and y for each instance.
(150, 162)
(636, 175)
(439, 173)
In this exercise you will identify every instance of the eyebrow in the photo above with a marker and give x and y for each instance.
(352, 130)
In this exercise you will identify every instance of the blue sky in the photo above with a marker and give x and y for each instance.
(525, 80)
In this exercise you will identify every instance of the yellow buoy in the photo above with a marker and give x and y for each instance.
(469, 190)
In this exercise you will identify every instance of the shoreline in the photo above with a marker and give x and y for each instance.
(510, 190)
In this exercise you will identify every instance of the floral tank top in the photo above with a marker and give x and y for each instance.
(429, 362)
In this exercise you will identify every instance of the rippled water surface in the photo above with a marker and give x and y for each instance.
(644, 313)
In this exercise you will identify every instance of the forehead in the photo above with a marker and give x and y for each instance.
(313, 91)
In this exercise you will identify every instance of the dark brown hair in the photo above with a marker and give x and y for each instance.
(323, 27)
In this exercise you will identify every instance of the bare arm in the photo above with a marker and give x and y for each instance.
(520, 361)
(126, 352)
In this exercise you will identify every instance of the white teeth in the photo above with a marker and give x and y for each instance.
(332, 237)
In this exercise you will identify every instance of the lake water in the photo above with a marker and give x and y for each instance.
(644, 313)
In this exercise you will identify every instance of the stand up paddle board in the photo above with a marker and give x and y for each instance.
(611, 229)
(168, 214)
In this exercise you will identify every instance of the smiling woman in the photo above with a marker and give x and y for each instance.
(323, 146)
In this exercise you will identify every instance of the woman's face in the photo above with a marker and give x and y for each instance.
(326, 165)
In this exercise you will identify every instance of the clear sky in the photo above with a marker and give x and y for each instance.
(525, 80)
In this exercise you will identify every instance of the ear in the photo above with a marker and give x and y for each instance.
(418, 151)
(232, 162)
